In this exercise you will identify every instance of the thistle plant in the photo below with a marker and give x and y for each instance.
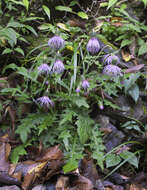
(85, 85)
(44, 69)
(45, 102)
(112, 71)
(93, 46)
(56, 43)
(110, 59)
(58, 67)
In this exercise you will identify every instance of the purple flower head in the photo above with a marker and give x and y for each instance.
(44, 69)
(56, 42)
(85, 84)
(77, 89)
(109, 59)
(45, 101)
(58, 66)
(93, 46)
(101, 106)
(112, 70)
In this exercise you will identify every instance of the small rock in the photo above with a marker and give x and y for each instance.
(39, 187)
(12, 187)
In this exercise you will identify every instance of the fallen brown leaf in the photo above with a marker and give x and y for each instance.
(88, 169)
(116, 21)
(134, 69)
(28, 181)
(4, 153)
(62, 183)
(136, 187)
(77, 23)
(84, 183)
(53, 153)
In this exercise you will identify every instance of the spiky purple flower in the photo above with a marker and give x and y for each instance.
(85, 84)
(109, 59)
(58, 66)
(77, 89)
(45, 102)
(93, 46)
(112, 70)
(44, 69)
(56, 42)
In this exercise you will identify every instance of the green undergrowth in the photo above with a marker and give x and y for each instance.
(71, 122)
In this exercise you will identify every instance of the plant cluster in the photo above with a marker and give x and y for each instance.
(61, 80)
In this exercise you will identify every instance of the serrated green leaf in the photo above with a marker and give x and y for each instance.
(18, 151)
(63, 8)
(23, 131)
(80, 101)
(47, 11)
(82, 15)
(84, 128)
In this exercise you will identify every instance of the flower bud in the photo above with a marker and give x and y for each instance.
(93, 46)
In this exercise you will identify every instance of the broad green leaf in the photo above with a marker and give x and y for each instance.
(133, 159)
(26, 4)
(17, 2)
(128, 83)
(70, 166)
(112, 160)
(111, 3)
(73, 3)
(99, 157)
(47, 11)
(63, 8)
(19, 50)
(10, 66)
(142, 49)
(44, 26)
(134, 92)
(82, 15)
(63, 26)
(145, 2)
(15, 24)
(105, 4)
(125, 43)
(7, 51)
(13, 91)
(30, 28)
